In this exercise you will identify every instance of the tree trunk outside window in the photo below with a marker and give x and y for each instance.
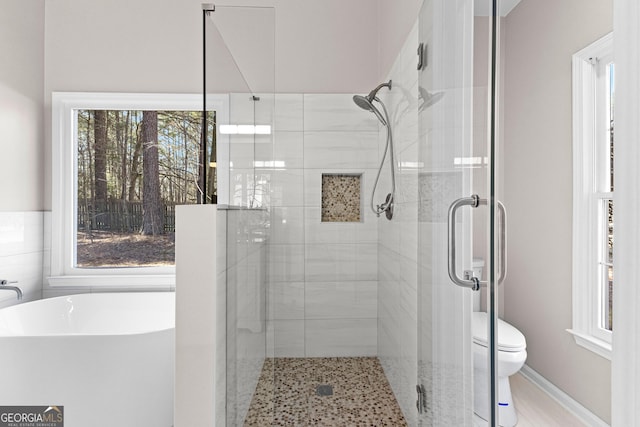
(152, 222)
(100, 166)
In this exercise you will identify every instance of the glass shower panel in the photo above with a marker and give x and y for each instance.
(461, 222)
(222, 78)
(240, 66)
(445, 366)
(239, 79)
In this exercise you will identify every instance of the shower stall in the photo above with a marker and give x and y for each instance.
(322, 297)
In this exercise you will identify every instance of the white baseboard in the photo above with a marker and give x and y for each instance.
(562, 398)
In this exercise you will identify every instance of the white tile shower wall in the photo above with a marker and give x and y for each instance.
(331, 112)
(342, 300)
(397, 239)
(340, 337)
(338, 150)
(322, 276)
(21, 254)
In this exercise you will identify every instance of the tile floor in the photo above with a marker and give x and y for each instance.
(294, 392)
(359, 394)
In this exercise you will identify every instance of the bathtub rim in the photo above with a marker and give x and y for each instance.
(11, 334)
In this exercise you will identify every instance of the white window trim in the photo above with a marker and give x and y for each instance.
(586, 297)
(64, 166)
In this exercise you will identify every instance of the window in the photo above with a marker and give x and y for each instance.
(593, 196)
(108, 228)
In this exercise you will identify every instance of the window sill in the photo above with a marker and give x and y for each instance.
(152, 281)
(598, 346)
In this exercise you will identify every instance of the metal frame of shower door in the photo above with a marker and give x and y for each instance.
(492, 278)
(207, 9)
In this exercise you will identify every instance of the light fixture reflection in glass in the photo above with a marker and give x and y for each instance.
(269, 164)
(411, 165)
(470, 161)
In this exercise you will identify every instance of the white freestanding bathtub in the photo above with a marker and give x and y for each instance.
(107, 358)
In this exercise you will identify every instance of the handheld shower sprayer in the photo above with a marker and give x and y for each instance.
(366, 103)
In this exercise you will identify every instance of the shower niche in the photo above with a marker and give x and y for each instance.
(341, 198)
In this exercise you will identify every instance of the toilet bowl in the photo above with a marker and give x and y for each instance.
(511, 357)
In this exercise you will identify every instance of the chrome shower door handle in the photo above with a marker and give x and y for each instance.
(468, 281)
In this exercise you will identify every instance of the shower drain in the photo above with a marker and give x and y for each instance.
(324, 390)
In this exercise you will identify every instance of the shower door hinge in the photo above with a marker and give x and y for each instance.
(422, 56)
(421, 403)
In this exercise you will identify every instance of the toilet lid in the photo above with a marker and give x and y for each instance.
(509, 338)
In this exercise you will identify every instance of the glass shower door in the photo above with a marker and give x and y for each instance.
(239, 79)
(458, 216)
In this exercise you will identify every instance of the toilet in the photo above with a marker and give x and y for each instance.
(512, 354)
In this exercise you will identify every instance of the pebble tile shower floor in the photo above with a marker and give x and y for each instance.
(332, 391)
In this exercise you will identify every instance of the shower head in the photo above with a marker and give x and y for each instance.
(363, 102)
(366, 102)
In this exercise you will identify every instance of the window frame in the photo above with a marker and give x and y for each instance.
(587, 138)
(64, 175)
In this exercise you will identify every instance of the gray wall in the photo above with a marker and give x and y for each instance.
(541, 36)
(395, 20)
(84, 45)
(21, 120)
